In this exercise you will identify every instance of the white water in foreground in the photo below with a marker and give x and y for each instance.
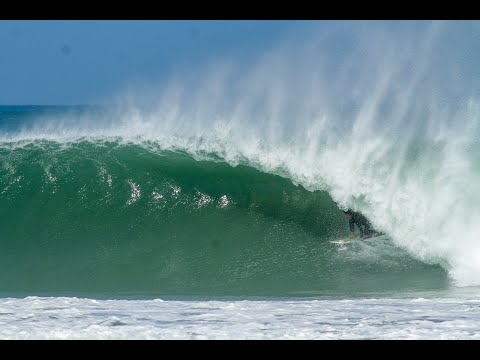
(381, 318)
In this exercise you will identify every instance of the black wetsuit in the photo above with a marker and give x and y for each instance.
(362, 223)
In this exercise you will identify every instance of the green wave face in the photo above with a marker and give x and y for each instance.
(114, 219)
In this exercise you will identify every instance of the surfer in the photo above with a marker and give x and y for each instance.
(362, 223)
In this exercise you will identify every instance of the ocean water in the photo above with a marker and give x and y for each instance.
(206, 212)
(118, 238)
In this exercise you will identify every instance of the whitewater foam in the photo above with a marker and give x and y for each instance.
(385, 318)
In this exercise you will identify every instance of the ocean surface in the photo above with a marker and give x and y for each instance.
(204, 209)
(111, 236)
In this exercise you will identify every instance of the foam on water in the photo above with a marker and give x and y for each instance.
(385, 318)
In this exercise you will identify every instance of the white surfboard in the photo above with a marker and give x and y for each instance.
(344, 241)
(349, 241)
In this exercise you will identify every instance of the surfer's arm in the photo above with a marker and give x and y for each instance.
(361, 232)
(352, 229)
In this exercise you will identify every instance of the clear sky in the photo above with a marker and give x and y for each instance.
(80, 62)
(88, 62)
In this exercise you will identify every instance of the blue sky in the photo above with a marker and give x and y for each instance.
(88, 62)
(81, 62)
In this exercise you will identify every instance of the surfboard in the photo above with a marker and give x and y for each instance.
(349, 241)
(344, 241)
